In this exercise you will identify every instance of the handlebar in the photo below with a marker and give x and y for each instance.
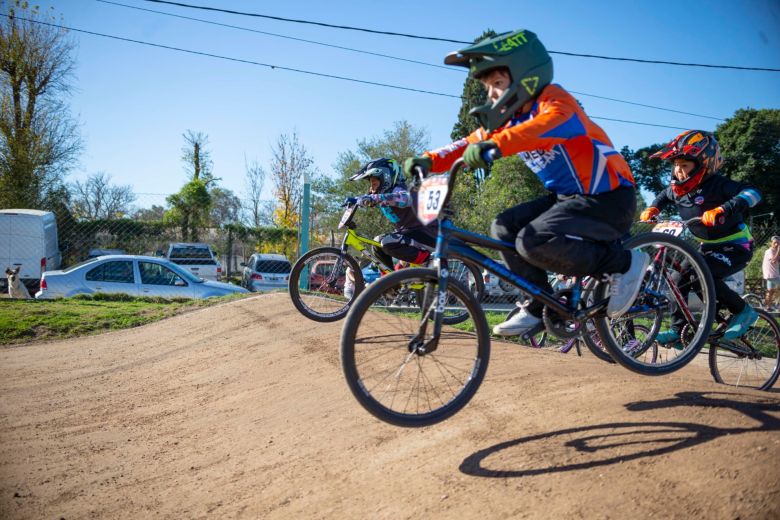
(685, 223)
(489, 156)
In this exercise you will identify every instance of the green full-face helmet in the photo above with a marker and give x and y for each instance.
(529, 65)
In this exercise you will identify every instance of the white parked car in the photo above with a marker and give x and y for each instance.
(197, 258)
(266, 272)
(133, 275)
(497, 289)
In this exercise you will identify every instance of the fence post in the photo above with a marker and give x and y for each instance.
(229, 251)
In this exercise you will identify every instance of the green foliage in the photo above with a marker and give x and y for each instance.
(189, 209)
(266, 239)
(652, 175)
(39, 142)
(753, 269)
(750, 145)
(135, 237)
(509, 184)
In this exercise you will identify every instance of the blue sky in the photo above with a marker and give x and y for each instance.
(134, 102)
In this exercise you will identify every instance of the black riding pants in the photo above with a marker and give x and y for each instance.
(404, 245)
(577, 236)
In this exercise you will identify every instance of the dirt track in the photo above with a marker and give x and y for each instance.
(247, 415)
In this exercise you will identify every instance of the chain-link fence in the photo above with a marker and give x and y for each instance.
(257, 258)
(176, 252)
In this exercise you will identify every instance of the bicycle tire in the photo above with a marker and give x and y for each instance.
(734, 368)
(369, 345)
(662, 247)
(753, 300)
(462, 275)
(309, 303)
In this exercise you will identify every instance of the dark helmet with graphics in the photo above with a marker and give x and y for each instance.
(386, 170)
(529, 65)
(693, 145)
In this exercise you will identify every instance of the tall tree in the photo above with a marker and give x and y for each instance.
(155, 213)
(750, 145)
(196, 156)
(39, 142)
(190, 206)
(225, 207)
(254, 178)
(97, 198)
(290, 163)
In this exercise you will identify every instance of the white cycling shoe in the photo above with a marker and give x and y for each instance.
(624, 287)
(517, 324)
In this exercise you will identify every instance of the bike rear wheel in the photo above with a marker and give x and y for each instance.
(752, 361)
(317, 284)
(386, 365)
(659, 297)
(753, 300)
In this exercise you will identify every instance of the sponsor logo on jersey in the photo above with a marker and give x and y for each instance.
(537, 160)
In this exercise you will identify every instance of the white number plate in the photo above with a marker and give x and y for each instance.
(670, 227)
(433, 192)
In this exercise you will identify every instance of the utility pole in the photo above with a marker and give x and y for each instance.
(305, 212)
(304, 241)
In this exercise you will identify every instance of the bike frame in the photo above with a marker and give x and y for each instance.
(453, 239)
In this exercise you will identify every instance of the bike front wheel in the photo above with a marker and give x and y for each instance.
(676, 269)
(388, 359)
(319, 286)
(469, 276)
(751, 361)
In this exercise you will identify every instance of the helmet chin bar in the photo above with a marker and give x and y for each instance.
(492, 116)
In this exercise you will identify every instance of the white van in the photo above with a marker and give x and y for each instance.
(28, 238)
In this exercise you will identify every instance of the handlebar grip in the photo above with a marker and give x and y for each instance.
(490, 155)
(419, 172)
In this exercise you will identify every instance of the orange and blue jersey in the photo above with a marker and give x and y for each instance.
(559, 143)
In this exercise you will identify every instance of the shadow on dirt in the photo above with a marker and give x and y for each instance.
(585, 447)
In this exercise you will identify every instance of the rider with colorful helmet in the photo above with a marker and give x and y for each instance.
(696, 146)
(696, 190)
(577, 229)
(410, 241)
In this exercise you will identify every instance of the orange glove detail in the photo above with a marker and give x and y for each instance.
(649, 214)
(713, 217)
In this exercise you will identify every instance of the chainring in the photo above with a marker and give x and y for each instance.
(559, 326)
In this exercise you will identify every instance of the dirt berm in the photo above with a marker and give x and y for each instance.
(241, 411)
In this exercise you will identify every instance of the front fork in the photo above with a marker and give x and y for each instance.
(433, 303)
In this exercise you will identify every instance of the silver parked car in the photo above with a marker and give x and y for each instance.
(133, 275)
(266, 272)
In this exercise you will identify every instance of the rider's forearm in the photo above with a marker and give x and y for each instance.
(398, 198)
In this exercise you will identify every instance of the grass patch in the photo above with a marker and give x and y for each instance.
(32, 320)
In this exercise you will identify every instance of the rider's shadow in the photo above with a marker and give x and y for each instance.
(597, 445)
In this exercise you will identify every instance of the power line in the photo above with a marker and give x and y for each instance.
(239, 60)
(644, 105)
(283, 36)
(458, 69)
(280, 67)
(433, 38)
